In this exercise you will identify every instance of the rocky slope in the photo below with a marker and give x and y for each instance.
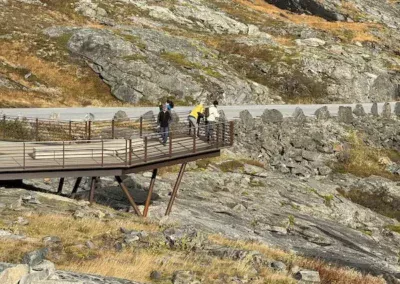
(240, 52)
(323, 187)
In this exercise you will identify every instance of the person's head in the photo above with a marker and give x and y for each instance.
(164, 107)
(215, 103)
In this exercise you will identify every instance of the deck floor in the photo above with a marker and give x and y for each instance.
(18, 155)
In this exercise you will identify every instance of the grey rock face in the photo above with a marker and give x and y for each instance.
(308, 276)
(246, 119)
(397, 109)
(299, 115)
(359, 110)
(313, 7)
(141, 64)
(35, 257)
(345, 115)
(120, 116)
(374, 109)
(387, 111)
(322, 113)
(272, 116)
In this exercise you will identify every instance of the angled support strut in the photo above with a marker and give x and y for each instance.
(128, 195)
(175, 191)
(147, 205)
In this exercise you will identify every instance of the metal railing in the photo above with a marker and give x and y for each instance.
(14, 128)
(102, 153)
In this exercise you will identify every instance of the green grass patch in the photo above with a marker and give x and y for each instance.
(393, 228)
(134, 57)
(376, 201)
(230, 166)
(363, 160)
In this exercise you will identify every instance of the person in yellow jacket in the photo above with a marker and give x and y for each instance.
(195, 115)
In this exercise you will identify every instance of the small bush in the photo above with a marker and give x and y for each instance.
(203, 164)
(230, 166)
(393, 228)
(362, 160)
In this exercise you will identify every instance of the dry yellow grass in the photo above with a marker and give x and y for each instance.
(65, 87)
(359, 31)
(329, 273)
(137, 263)
(362, 160)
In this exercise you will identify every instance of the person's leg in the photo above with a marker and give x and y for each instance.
(163, 135)
(193, 124)
(166, 133)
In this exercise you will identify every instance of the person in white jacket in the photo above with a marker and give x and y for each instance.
(211, 118)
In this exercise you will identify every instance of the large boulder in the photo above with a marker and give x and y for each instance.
(359, 110)
(386, 111)
(246, 119)
(345, 115)
(272, 116)
(322, 113)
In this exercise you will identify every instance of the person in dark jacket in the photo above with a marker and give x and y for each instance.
(164, 118)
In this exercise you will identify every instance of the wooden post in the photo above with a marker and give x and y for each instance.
(76, 185)
(128, 195)
(145, 149)
(231, 129)
(141, 126)
(70, 129)
(23, 155)
(90, 130)
(102, 153)
(175, 190)
(4, 126)
(92, 188)
(37, 129)
(112, 129)
(126, 152)
(60, 186)
(217, 137)
(194, 142)
(63, 164)
(147, 205)
(130, 151)
(170, 144)
(223, 133)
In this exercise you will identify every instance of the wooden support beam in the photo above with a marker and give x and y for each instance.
(128, 195)
(175, 190)
(76, 185)
(92, 188)
(60, 186)
(147, 205)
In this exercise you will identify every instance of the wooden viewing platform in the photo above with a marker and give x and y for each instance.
(139, 151)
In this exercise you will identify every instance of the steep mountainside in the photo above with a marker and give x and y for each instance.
(241, 52)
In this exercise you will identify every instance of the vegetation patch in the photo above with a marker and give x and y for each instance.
(363, 160)
(393, 228)
(376, 201)
(230, 166)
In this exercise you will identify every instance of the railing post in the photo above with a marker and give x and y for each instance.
(223, 133)
(145, 149)
(86, 129)
(112, 129)
(102, 153)
(70, 129)
(90, 129)
(170, 144)
(63, 154)
(23, 153)
(4, 126)
(217, 137)
(37, 129)
(141, 126)
(231, 132)
(130, 151)
(194, 141)
(126, 152)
